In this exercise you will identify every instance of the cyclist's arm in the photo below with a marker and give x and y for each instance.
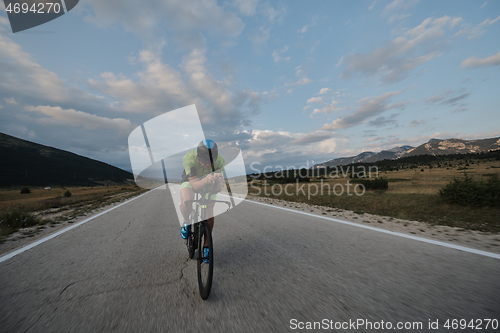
(217, 182)
(198, 184)
(214, 180)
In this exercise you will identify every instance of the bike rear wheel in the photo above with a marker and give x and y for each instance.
(205, 270)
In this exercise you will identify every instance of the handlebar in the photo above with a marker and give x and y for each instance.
(209, 201)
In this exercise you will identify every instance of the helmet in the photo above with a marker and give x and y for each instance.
(208, 151)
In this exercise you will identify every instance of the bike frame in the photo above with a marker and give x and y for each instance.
(194, 241)
(201, 205)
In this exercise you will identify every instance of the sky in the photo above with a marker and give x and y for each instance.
(292, 83)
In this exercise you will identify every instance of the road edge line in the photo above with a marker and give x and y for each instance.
(395, 233)
(57, 233)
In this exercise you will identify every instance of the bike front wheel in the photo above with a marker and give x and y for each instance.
(191, 244)
(205, 270)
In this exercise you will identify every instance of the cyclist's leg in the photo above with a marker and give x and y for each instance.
(210, 220)
(187, 193)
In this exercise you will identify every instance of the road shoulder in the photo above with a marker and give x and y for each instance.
(469, 238)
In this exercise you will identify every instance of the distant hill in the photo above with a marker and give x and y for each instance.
(433, 147)
(25, 163)
(454, 146)
(368, 157)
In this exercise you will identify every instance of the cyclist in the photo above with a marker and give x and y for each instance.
(202, 167)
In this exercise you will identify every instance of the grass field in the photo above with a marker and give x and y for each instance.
(49, 206)
(412, 195)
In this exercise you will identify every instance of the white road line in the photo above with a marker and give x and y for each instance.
(55, 234)
(420, 239)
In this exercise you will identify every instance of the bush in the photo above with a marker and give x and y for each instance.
(469, 192)
(375, 184)
(17, 219)
(25, 190)
(67, 194)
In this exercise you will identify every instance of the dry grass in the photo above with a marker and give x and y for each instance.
(36, 199)
(10, 198)
(412, 195)
(50, 206)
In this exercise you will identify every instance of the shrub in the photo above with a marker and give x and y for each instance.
(374, 184)
(67, 194)
(17, 219)
(469, 192)
(25, 190)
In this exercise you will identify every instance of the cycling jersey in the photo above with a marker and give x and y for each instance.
(193, 167)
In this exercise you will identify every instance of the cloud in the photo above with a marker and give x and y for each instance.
(490, 21)
(324, 91)
(397, 17)
(303, 29)
(474, 62)
(330, 108)
(160, 88)
(247, 7)
(461, 109)
(24, 81)
(383, 121)
(439, 97)
(444, 99)
(372, 5)
(267, 140)
(394, 10)
(398, 5)
(282, 148)
(11, 100)
(314, 137)
(415, 123)
(277, 55)
(186, 16)
(272, 14)
(369, 107)
(484, 4)
(394, 61)
(315, 100)
(4, 21)
(474, 31)
(21, 75)
(301, 81)
(260, 37)
(306, 27)
(156, 87)
(452, 101)
(300, 72)
(69, 117)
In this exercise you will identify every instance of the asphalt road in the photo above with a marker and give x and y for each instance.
(128, 271)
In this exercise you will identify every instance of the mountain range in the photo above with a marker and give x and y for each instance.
(432, 147)
(25, 163)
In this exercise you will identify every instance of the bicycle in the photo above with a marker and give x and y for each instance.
(199, 232)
